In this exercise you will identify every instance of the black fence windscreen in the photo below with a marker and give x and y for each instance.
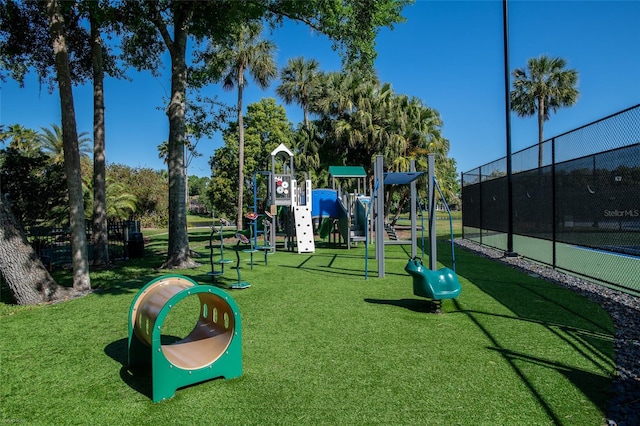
(598, 203)
(575, 201)
(533, 203)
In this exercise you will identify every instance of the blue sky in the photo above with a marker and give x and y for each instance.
(448, 53)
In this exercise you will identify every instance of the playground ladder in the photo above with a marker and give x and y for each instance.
(391, 232)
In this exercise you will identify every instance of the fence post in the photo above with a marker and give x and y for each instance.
(554, 211)
(507, 103)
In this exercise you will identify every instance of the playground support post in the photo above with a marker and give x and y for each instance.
(368, 234)
(414, 198)
(433, 256)
(379, 214)
(379, 210)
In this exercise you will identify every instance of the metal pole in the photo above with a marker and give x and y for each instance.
(554, 218)
(414, 197)
(507, 103)
(379, 212)
(433, 251)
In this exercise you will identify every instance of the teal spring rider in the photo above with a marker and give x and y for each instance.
(436, 285)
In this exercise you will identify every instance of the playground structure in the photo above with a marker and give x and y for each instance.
(381, 179)
(212, 349)
(432, 283)
(343, 213)
(244, 238)
(241, 239)
(220, 247)
(288, 206)
(348, 215)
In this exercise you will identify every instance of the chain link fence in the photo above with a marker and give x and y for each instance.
(575, 201)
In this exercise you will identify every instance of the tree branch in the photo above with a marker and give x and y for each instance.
(156, 18)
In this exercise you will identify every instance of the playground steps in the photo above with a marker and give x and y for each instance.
(304, 229)
(357, 234)
(391, 232)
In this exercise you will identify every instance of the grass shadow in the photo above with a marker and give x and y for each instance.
(593, 386)
(415, 305)
(137, 378)
(564, 314)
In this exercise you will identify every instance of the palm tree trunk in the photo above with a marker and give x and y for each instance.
(305, 113)
(100, 231)
(540, 130)
(81, 281)
(240, 151)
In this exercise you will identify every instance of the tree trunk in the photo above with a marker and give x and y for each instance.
(100, 231)
(305, 114)
(178, 251)
(388, 196)
(240, 151)
(541, 116)
(28, 279)
(81, 281)
(186, 178)
(403, 200)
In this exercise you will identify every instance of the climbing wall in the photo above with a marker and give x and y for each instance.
(304, 229)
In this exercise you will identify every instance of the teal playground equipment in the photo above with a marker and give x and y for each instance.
(219, 246)
(212, 349)
(241, 237)
(244, 237)
(436, 285)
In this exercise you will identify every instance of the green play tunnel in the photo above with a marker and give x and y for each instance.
(212, 349)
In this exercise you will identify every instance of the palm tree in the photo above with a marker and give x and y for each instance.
(51, 143)
(544, 86)
(245, 53)
(299, 83)
(120, 203)
(163, 152)
(24, 140)
(306, 148)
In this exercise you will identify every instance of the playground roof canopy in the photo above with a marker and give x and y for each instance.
(280, 149)
(401, 178)
(347, 172)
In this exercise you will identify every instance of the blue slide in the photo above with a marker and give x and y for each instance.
(329, 207)
(325, 204)
(436, 285)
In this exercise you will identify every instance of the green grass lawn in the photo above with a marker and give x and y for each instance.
(322, 345)
(200, 221)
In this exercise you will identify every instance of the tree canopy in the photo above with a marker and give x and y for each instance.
(266, 126)
(156, 27)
